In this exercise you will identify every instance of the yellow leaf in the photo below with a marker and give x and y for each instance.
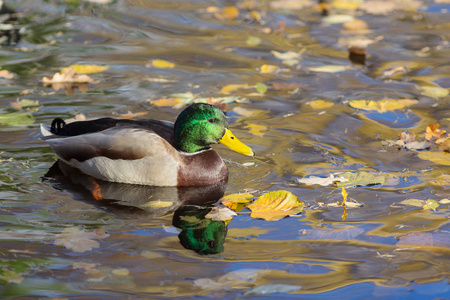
(165, 102)
(274, 206)
(228, 13)
(121, 272)
(330, 68)
(344, 196)
(320, 104)
(229, 88)
(268, 69)
(257, 129)
(382, 105)
(349, 5)
(431, 204)
(162, 64)
(85, 69)
(442, 158)
(434, 91)
(237, 201)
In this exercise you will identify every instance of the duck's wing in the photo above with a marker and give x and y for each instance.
(127, 142)
(60, 128)
(120, 154)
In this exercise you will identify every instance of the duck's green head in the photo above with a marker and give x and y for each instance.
(201, 125)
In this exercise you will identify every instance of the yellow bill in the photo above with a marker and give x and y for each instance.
(233, 143)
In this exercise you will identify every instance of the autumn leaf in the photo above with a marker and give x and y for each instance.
(329, 68)
(264, 69)
(221, 214)
(433, 132)
(237, 201)
(161, 64)
(85, 69)
(261, 87)
(228, 13)
(274, 206)
(165, 102)
(6, 74)
(344, 196)
(320, 104)
(434, 91)
(431, 204)
(16, 119)
(229, 88)
(69, 76)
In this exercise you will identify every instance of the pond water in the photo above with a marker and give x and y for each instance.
(59, 240)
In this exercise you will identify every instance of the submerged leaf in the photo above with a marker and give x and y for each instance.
(237, 201)
(413, 202)
(79, 240)
(228, 13)
(274, 206)
(261, 87)
(434, 91)
(268, 69)
(229, 88)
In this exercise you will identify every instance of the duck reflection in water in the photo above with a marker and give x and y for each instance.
(189, 204)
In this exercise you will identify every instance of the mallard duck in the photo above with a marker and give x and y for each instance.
(148, 152)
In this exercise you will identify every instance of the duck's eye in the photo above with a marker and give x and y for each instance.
(212, 120)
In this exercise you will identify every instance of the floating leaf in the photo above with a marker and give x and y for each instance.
(261, 87)
(434, 91)
(24, 103)
(85, 69)
(273, 288)
(121, 272)
(228, 13)
(6, 74)
(344, 196)
(349, 5)
(274, 206)
(329, 68)
(378, 7)
(287, 85)
(229, 88)
(444, 201)
(16, 119)
(165, 102)
(162, 64)
(361, 178)
(237, 201)
(10, 276)
(253, 41)
(382, 105)
(433, 132)
(69, 76)
(413, 202)
(221, 214)
(431, 204)
(442, 158)
(268, 69)
(337, 19)
(320, 104)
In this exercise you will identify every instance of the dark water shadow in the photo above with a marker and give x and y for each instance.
(129, 201)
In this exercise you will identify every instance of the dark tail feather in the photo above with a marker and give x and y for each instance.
(57, 125)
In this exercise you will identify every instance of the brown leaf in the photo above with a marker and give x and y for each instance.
(69, 76)
(433, 132)
(286, 85)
